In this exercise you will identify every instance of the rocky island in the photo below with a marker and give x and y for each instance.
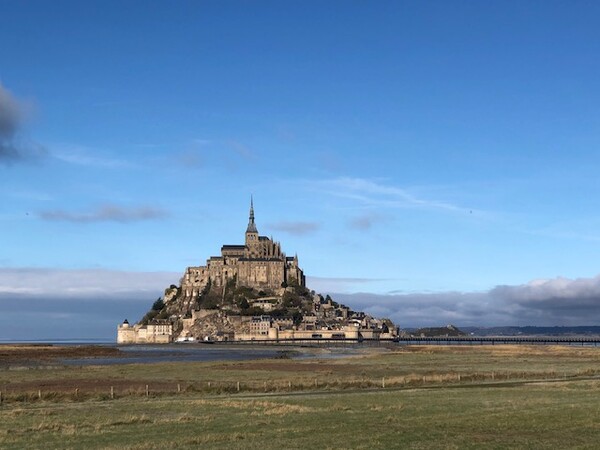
(253, 291)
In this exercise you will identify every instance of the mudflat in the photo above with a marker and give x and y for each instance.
(22, 353)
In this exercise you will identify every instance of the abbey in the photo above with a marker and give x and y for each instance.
(251, 292)
(259, 263)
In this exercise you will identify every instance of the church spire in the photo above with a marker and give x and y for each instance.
(251, 225)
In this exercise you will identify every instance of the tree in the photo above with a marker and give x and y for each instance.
(158, 305)
(148, 317)
(297, 317)
(211, 302)
(243, 303)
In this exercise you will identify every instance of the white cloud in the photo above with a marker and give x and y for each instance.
(56, 304)
(90, 302)
(558, 301)
(82, 283)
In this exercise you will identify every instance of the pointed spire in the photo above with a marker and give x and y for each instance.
(251, 225)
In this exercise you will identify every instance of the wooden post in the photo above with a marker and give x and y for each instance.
(112, 392)
(383, 382)
(265, 386)
(76, 392)
(178, 387)
(238, 386)
(40, 394)
(289, 385)
(147, 391)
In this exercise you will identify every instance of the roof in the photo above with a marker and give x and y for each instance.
(234, 247)
(263, 238)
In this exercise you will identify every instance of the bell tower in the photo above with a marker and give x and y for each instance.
(251, 231)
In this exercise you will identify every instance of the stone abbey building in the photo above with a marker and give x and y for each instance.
(258, 263)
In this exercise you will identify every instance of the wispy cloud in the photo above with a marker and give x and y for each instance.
(191, 159)
(229, 153)
(13, 146)
(241, 149)
(369, 193)
(366, 221)
(26, 194)
(106, 213)
(298, 228)
(83, 156)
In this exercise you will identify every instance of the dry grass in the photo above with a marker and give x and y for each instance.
(491, 408)
(412, 366)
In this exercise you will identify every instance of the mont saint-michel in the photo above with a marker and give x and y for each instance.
(252, 291)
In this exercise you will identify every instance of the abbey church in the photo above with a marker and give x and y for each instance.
(259, 263)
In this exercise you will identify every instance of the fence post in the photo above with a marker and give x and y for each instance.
(40, 394)
(147, 391)
(76, 392)
(289, 385)
(383, 382)
(178, 387)
(112, 392)
(238, 386)
(265, 386)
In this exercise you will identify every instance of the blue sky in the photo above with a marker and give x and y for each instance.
(402, 149)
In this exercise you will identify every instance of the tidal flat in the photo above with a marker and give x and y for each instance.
(403, 397)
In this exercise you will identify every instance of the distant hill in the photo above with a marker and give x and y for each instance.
(533, 331)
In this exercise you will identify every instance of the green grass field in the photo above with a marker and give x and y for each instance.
(505, 397)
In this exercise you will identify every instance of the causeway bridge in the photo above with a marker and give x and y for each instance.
(501, 340)
(589, 341)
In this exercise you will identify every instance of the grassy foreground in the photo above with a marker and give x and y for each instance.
(441, 411)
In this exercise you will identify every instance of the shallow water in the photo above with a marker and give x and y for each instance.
(174, 353)
(144, 354)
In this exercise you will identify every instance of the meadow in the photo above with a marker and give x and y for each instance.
(410, 397)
